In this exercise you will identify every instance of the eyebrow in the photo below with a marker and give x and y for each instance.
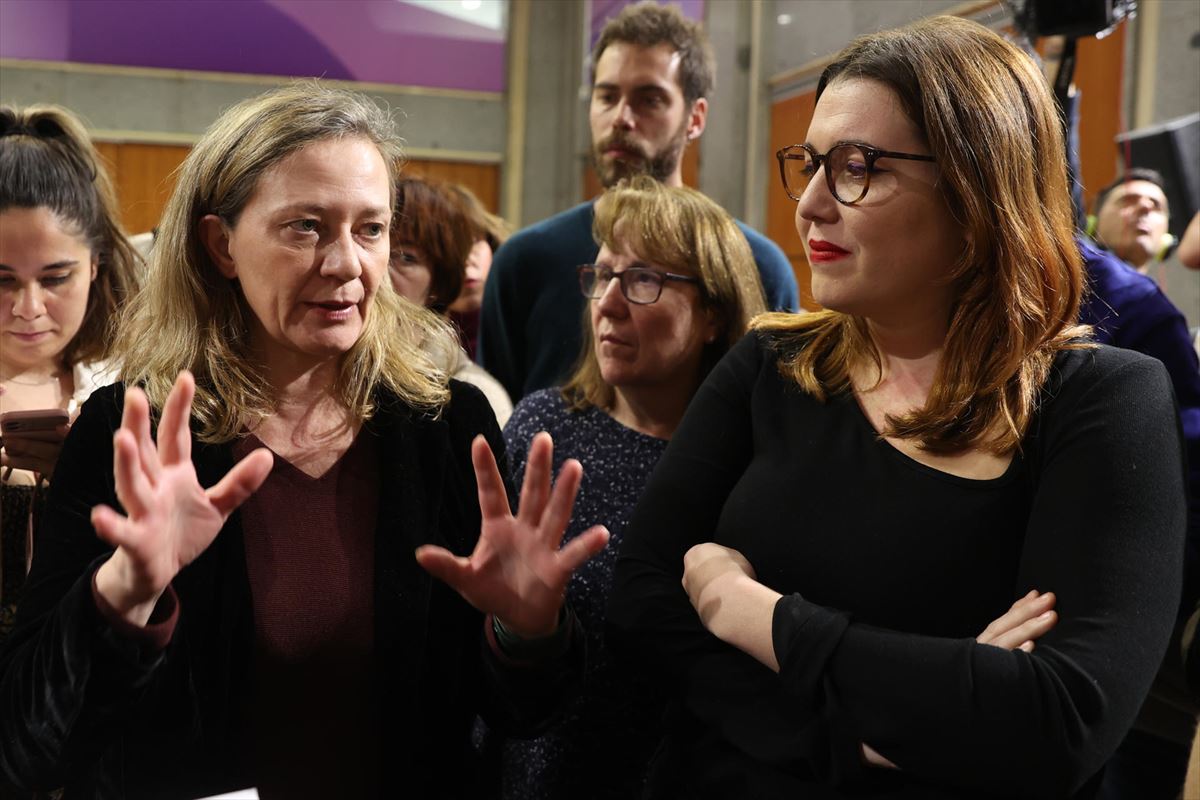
(645, 87)
(317, 209)
(48, 267)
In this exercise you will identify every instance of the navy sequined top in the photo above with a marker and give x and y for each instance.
(601, 745)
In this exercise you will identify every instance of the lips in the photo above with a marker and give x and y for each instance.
(29, 336)
(619, 148)
(822, 251)
(608, 338)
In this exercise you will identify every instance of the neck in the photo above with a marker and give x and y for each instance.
(30, 374)
(675, 179)
(909, 356)
(653, 411)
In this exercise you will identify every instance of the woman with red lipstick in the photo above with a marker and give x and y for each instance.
(225, 592)
(854, 494)
(673, 288)
(65, 267)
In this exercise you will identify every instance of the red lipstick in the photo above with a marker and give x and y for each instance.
(821, 251)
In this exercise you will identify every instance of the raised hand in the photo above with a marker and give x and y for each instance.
(1027, 620)
(517, 571)
(171, 518)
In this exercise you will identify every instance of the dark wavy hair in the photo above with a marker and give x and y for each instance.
(47, 161)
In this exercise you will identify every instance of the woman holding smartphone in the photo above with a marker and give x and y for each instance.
(65, 267)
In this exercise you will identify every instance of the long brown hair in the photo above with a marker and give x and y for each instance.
(990, 121)
(682, 230)
(47, 161)
(189, 316)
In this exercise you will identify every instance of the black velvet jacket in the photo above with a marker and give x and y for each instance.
(82, 708)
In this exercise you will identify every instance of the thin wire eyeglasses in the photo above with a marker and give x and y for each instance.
(848, 168)
(640, 285)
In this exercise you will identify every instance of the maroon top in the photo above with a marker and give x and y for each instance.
(310, 556)
(468, 329)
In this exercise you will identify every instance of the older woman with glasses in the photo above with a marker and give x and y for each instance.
(673, 287)
(854, 493)
(224, 592)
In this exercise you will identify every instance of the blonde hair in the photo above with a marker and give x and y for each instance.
(48, 161)
(678, 229)
(993, 127)
(189, 316)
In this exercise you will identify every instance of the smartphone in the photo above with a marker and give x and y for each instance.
(34, 424)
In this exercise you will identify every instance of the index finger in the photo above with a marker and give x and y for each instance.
(493, 500)
(174, 436)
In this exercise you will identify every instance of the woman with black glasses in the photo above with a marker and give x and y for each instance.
(673, 288)
(854, 493)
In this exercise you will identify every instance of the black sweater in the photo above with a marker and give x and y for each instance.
(83, 707)
(889, 569)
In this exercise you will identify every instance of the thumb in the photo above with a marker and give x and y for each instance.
(444, 565)
(575, 552)
(241, 481)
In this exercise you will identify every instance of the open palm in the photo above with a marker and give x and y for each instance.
(517, 571)
(171, 519)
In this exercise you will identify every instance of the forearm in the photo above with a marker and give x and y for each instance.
(742, 613)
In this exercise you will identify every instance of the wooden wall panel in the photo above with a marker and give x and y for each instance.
(482, 179)
(145, 178)
(789, 125)
(1099, 78)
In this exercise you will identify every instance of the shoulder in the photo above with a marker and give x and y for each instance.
(103, 407)
(468, 371)
(567, 227)
(765, 250)
(1107, 377)
(92, 376)
(1113, 281)
(541, 410)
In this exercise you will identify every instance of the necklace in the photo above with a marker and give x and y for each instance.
(48, 380)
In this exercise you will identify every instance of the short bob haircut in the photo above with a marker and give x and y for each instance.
(681, 230)
(189, 316)
(991, 123)
(48, 161)
(429, 216)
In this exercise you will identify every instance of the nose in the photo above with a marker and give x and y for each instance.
(29, 302)
(341, 259)
(623, 118)
(816, 203)
(611, 301)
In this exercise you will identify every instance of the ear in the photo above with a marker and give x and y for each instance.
(215, 237)
(697, 118)
(95, 269)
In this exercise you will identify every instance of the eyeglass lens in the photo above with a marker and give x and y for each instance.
(845, 165)
(637, 285)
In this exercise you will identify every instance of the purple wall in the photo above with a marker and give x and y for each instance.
(379, 41)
